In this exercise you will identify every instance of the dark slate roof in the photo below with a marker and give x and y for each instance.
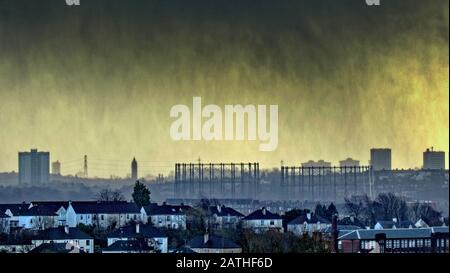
(183, 249)
(213, 242)
(93, 207)
(57, 204)
(259, 215)
(60, 234)
(52, 248)
(400, 233)
(386, 224)
(155, 209)
(443, 229)
(300, 220)
(342, 228)
(15, 240)
(405, 224)
(14, 208)
(401, 224)
(2, 215)
(349, 221)
(180, 207)
(40, 210)
(225, 211)
(129, 231)
(129, 246)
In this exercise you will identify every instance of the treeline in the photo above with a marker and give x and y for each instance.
(66, 191)
(387, 206)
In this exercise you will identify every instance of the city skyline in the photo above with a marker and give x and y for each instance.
(101, 79)
(119, 168)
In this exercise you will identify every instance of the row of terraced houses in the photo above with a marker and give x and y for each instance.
(55, 227)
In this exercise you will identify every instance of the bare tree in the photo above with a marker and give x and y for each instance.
(425, 212)
(355, 206)
(44, 222)
(108, 195)
(3, 225)
(392, 206)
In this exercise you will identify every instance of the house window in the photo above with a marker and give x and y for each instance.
(81, 217)
(396, 243)
(389, 244)
(88, 242)
(272, 223)
(135, 217)
(168, 218)
(102, 217)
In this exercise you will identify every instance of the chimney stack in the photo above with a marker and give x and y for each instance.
(138, 229)
(206, 237)
(308, 215)
(219, 208)
(263, 210)
(66, 229)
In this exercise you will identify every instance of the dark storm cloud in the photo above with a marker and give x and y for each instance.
(346, 76)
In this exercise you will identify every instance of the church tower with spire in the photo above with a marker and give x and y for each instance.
(134, 169)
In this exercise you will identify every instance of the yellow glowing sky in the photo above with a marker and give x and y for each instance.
(346, 79)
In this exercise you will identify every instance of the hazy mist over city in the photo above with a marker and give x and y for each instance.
(100, 80)
(216, 127)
